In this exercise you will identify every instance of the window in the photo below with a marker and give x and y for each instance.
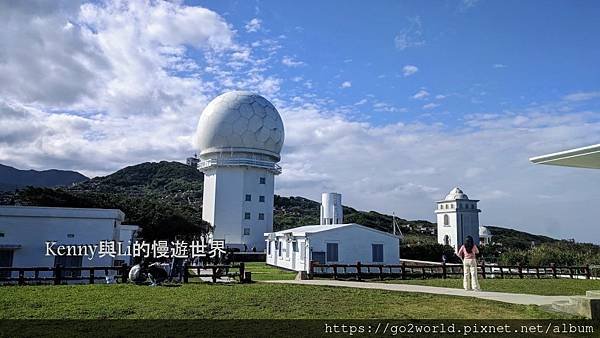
(295, 246)
(70, 235)
(446, 220)
(246, 231)
(247, 215)
(261, 199)
(1, 234)
(70, 262)
(287, 249)
(332, 252)
(262, 180)
(269, 248)
(446, 240)
(248, 197)
(377, 251)
(279, 250)
(6, 261)
(261, 216)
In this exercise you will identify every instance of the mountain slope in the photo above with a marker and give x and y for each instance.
(12, 178)
(139, 189)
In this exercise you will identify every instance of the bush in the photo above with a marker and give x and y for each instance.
(428, 252)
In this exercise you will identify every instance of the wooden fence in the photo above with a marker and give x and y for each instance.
(60, 274)
(361, 271)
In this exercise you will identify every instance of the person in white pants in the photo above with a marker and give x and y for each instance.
(468, 253)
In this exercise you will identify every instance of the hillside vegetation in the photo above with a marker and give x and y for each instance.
(165, 199)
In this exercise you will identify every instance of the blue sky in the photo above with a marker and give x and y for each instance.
(488, 56)
(391, 103)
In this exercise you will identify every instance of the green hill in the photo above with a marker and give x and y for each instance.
(166, 199)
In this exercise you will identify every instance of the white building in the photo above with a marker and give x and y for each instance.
(457, 218)
(240, 136)
(485, 235)
(24, 232)
(331, 208)
(293, 249)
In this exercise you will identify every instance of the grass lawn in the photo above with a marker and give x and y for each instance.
(245, 301)
(546, 287)
(261, 271)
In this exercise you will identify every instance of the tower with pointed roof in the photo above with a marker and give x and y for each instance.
(457, 218)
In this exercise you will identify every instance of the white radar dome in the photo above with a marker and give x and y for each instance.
(240, 122)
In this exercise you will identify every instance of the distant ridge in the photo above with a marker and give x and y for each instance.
(13, 178)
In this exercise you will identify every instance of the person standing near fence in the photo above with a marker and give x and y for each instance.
(468, 253)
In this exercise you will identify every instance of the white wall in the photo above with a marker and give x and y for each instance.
(468, 218)
(224, 205)
(354, 244)
(31, 227)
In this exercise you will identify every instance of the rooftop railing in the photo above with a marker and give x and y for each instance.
(226, 162)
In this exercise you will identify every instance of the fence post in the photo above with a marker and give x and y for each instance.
(21, 277)
(242, 272)
(553, 266)
(380, 272)
(92, 277)
(502, 271)
(403, 270)
(588, 273)
(537, 271)
(444, 270)
(124, 272)
(311, 269)
(214, 274)
(335, 276)
(483, 269)
(358, 270)
(571, 272)
(57, 274)
(520, 270)
(186, 273)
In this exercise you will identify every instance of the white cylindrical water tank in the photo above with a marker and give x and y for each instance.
(331, 208)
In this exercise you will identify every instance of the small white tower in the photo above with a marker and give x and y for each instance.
(457, 218)
(331, 208)
(240, 136)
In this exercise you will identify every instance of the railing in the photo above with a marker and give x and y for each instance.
(216, 271)
(60, 274)
(273, 167)
(361, 271)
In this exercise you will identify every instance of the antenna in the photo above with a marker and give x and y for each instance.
(395, 226)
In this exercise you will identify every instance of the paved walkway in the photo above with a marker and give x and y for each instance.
(514, 298)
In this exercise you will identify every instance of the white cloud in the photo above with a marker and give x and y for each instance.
(582, 96)
(411, 36)
(361, 102)
(291, 62)
(421, 94)
(92, 89)
(440, 97)
(431, 105)
(346, 84)
(409, 70)
(412, 165)
(499, 65)
(253, 25)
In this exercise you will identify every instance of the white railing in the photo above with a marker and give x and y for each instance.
(271, 166)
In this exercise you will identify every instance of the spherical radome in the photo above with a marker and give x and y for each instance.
(240, 121)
